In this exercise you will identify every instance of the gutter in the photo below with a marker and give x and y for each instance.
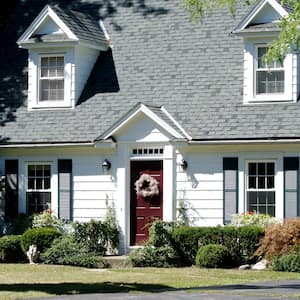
(244, 142)
(41, 145)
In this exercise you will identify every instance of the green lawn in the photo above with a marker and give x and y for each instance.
(45, 280)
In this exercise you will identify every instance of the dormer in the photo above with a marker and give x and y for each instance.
(63, 46)
(278, 81)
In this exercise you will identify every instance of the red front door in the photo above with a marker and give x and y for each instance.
(145, 210)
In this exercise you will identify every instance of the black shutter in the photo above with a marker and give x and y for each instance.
(65, 184)
(291, 186)
(230, 188)
(11, 188)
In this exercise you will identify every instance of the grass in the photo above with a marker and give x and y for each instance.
(20, 280)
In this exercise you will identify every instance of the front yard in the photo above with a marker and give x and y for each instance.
(24, 280)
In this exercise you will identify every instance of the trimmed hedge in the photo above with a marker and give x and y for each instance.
(41, 237)
(213, 256)
(10, 249)
(241, 242)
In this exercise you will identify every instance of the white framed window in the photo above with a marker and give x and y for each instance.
(38, 187)
(269, 78)
(51, 78)
(260, 187)
(276, 82)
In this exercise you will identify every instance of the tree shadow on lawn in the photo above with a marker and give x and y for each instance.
(70, 288)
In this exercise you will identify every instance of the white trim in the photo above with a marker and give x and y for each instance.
(149, 114)
(48, 145)
(47, 11)
(176, 123)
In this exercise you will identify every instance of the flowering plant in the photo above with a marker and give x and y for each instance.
(253, 218)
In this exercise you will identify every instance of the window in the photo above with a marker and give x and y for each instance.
(269, 78)
(38, 193)
(52, 78)
(261, 187)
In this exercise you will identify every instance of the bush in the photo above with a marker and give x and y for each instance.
(287, 263)
(66, 251)
(160, 233)
(48, 219)
(10, 249)
(41, 237)
(15, 226)
(251, 218)
(280, 239)
(150, 256)
(97, 236)
(240, 241)
(213, 256)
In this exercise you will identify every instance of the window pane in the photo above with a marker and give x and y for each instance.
(39, 183)
(261, 51)
(37, 202)
(31, 171)
(252, 198)
(252, 169)
(270, 168)
(261, 182)
(252, 182)
(269, 82)
(31, 184)
(270, 182)
(46, 170)
(271, 198)
(261, 168)
(39, 170)
(46, 183)
(262, 198)
(271, 211)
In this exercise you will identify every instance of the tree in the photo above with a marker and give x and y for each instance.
(288, 38)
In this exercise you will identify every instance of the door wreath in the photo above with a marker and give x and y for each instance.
(146, 186)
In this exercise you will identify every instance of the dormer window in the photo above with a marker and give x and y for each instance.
(269, 78)
(277, 81)
(51, 80)
(63, 47)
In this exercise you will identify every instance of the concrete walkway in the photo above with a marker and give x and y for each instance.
(275, 290)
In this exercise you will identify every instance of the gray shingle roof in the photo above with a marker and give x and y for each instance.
(84, 26)
(162, 59)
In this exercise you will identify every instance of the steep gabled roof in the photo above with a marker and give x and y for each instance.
(158, 114)
(72, 26)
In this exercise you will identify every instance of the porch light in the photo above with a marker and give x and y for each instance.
(184, 164)
(106, 166)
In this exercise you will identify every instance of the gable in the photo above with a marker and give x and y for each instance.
(142, 129)
(264, 12)
(266, 15)
(48, 26)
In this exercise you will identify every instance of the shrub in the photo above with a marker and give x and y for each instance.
(160, 233)
(66, 251)
(241, 242)
(97, 236)
(287, 263)
(150, 256)
(41, 237)
(280, 239)
(213, 256)
(48, 219)
(251, 218)
(10, 249)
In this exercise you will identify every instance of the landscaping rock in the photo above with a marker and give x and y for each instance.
(245, 267)
(261, 265)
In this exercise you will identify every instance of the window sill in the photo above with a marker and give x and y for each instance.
(51, 105)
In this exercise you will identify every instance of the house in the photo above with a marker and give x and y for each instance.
(132, 105)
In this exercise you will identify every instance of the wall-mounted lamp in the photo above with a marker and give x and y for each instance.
(184, 164)
(106, 166)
